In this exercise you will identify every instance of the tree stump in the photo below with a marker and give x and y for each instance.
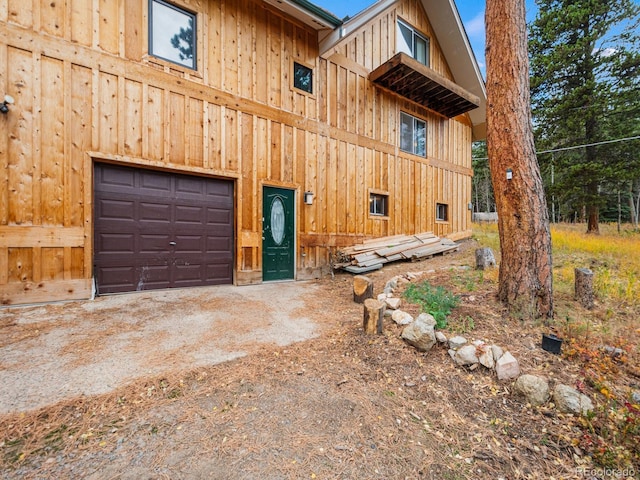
(373, 313)
(584, 287)
(362, 288)
(485, 258)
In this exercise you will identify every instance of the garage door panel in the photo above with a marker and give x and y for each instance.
(153, 230)
(189, 214)
(118, 209)
(116, 243)
(158, 244)
(154, 183)
(154, 212)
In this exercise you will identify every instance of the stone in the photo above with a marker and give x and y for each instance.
(393, 303)
(427, 318)
(497, 352)
(452, 354)
(456, 342)
(441, 337)
(533, 388)
(485, 258)
(466, 355)
(635, 396)
(507, 368)
(420, 335)
(569, 400)
(485, 356)
(401, 318)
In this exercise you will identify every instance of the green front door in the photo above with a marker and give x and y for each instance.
(277, 234)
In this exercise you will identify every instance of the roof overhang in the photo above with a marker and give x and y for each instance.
(410, 79)
(308, 13)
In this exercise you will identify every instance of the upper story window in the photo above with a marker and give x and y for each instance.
(412, 43)
(413, 135)
(302, 77)
(172, 33)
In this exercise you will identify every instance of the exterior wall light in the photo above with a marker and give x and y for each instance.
(4, 106)
(509, 174)
(308, 198)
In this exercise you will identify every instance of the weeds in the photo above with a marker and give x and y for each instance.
(436, 301)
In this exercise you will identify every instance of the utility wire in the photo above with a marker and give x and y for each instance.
(563, 149)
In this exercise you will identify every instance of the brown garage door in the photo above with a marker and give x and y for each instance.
(160, 230)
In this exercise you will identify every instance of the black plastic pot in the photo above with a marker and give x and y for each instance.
(551, 343)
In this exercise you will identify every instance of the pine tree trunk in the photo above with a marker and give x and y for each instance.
(523, 219)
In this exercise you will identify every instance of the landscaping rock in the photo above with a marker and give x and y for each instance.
(635, 397)
(569, 400)
(485, 356)
(441, 337)
(401, 318)
(420, 334)
(535, 389)
(497, 352)
(457, 342)
(466, 355)
(426, 318)
(393, 303)
(507, 368)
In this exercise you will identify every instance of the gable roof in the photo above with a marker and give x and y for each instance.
(456, 48)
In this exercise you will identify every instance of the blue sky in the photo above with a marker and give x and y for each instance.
(471, 12)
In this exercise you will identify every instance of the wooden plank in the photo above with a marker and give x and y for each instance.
(40, 236)
(45, 291)
(51, 182)
(132, 118)
(358, 270)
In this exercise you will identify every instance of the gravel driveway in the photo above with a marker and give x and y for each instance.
(59, 351)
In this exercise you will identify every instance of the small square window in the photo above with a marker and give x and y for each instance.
(442, 212)
(413, 135)
(172, 33)
(302, 77)
(378, 204)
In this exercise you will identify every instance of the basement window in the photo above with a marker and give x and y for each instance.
(413, 135)
(172, 33)
(442, 212)
(412, 43)
(302, 77)
(379, 204)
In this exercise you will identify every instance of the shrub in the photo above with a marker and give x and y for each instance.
(436, 301)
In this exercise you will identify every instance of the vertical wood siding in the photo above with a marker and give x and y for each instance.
(86, 89)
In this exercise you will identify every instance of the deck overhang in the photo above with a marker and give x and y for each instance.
(411, 79)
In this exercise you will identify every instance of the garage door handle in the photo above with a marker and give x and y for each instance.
(173, 244)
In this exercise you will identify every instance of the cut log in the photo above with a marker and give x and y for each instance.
(584, 287)
(362, 288)
(485, 258)
(373, 315)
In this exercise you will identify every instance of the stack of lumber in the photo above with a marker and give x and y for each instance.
(374, 253)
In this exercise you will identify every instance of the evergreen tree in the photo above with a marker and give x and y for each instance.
(585, 66)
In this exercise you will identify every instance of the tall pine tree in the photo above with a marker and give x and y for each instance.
(584, 85)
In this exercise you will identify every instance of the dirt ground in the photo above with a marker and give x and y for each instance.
(280, 385)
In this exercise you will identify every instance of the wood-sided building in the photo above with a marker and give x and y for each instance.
(174, 143)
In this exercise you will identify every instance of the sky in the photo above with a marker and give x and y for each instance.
(471, 13)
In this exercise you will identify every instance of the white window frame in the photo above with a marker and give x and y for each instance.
(415, 123)
(416, 38)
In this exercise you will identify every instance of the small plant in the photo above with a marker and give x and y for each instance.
(466, 325)
(436, 301)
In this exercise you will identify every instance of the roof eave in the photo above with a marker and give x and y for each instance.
(305, 11)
